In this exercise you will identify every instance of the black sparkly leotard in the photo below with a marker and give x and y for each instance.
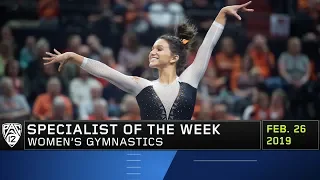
(151, 106)
(157, 101)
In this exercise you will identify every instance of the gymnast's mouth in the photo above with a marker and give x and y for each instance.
(153, 59)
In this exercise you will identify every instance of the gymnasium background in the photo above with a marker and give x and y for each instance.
(263, 67)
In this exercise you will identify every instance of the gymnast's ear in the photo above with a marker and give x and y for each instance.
(174, 59)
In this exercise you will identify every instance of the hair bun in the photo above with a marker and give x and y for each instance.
(186, 32)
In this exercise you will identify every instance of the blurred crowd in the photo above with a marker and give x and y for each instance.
(255, 84)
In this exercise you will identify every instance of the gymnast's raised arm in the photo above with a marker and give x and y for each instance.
(129, 84)
(194, 73)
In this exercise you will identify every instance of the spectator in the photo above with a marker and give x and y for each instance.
(100, 110)
(195, 6)
(131, 55)
(263, 59)
(130, 108)
(27, 53)
(80, 87)
(136, 17)
(245, 81)
(13, 72)
(259, 110)
(113, 95)
(119, 12)
(86, 108)
(133, 10)
(278, 105)
(48, 11)
(212, 84)
(36, 66)
(13, 106)
(59, 109)
(70, 70)
(37, 84)
(304, 23)
(217, 76)
(227, 61)
(219, 112)
(205, 112)
(5, 56)
(43, 105)
(8, 38)
(303, 4)
(95, 46)
(74, 43)
(312, 10)
(84, 50)
(165, 13)
(37, 75)
(244, 85)
(203, 109)
(294, 68)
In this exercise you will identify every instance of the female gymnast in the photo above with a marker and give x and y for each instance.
(172, 96)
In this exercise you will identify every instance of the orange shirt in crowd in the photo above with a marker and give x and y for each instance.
(48, 8)
(234, 80)
(196, 112)
(260, 113)
(43, 106)
(221, 59)
(135, 11)
(263, 61)
(303, 4)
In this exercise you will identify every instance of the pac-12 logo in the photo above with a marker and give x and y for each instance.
(11, 133)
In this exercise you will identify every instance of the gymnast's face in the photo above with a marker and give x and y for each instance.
(160, 55)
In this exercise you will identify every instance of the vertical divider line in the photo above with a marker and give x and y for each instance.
(261, 135)
(24, 135)
(318, 136)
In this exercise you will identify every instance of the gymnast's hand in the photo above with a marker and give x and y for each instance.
(233, 10)
(57, 58)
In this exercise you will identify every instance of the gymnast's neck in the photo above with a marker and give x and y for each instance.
(167, 75)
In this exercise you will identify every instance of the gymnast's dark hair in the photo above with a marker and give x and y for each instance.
(180, 42)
